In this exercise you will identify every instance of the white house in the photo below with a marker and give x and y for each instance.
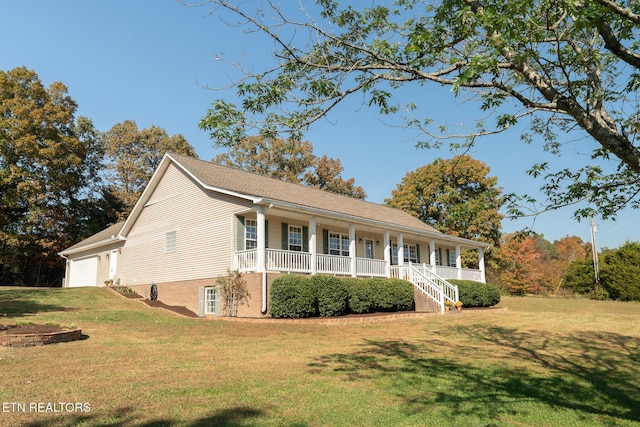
(197, 220)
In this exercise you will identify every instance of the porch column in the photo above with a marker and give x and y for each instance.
(432, 255)
(312, 245)
(458, 262)
(387, 252)
(400, 249)
(481, 265)
(262, 246)
(352, 248)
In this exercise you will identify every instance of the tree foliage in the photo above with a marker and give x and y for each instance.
(556, 67)
(290, 160)
(133, 156)
(455, 196)
(49, 163)
(620, 272)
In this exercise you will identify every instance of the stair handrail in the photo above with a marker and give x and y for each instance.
(444, 291)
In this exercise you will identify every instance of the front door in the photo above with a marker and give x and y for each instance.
(113, 264)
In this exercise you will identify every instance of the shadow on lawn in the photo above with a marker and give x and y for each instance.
(232, 417)
(490, 372)
(23, 302)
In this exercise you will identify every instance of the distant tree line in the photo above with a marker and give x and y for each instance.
(62, 180)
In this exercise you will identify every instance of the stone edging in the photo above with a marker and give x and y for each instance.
(34, 339)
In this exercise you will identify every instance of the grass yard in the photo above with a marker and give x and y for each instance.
(540, 362)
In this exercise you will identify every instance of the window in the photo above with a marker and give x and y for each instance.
(338, 244)
(295, 238)
(170, 242)
(212, 300)
(410, 253)
(452, 258)
(438, 257)
(251, 234)
(368, 249)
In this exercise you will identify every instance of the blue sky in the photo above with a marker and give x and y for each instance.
(153, 61)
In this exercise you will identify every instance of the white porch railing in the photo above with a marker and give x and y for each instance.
(333, 264)
(290, 261)
(300, 262)
(371, 267)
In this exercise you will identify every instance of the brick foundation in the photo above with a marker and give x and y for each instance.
(423, 303)
(185, 294)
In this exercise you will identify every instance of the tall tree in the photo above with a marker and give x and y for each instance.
(517, 260)
(456, 196)
(133, 156)
(327, 175)
(555, 66)
(49, 164)
(290, 160)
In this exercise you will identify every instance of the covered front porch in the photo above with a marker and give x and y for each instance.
(282, 240)
(310, 263)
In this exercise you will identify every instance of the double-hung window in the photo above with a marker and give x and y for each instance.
(452, 258)
(212, 300)
(410, 253)
(250, 234)
(295, 238)
(338, 244)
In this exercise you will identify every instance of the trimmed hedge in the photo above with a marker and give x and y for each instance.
(300, 296)
(360, 295)
(293, 296)
(476, 294)
(332, 295)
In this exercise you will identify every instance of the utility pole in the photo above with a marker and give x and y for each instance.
(594, 251)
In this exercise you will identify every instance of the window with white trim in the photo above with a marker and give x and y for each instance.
(410, 253)
(295, 238)
(211, 300)
(250, 234)
(338, 244)
(170, 242)
(452, 258)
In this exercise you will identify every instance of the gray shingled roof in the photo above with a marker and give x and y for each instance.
(252, 185)
(103, 236)
(255, 185)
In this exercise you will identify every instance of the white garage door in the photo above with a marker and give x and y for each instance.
(84, 272)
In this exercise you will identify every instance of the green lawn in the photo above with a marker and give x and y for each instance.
(542, 362)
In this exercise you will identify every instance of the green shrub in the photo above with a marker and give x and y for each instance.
(391, 294)
(403, 291)
(332, 295)
(292, 296)
(360, 297)
(476, 294)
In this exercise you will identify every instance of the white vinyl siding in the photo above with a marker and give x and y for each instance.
(205, 225)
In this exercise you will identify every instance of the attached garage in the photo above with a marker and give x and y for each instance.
(84, 272)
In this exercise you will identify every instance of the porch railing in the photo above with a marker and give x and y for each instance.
(300, 262)
(290, 261)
